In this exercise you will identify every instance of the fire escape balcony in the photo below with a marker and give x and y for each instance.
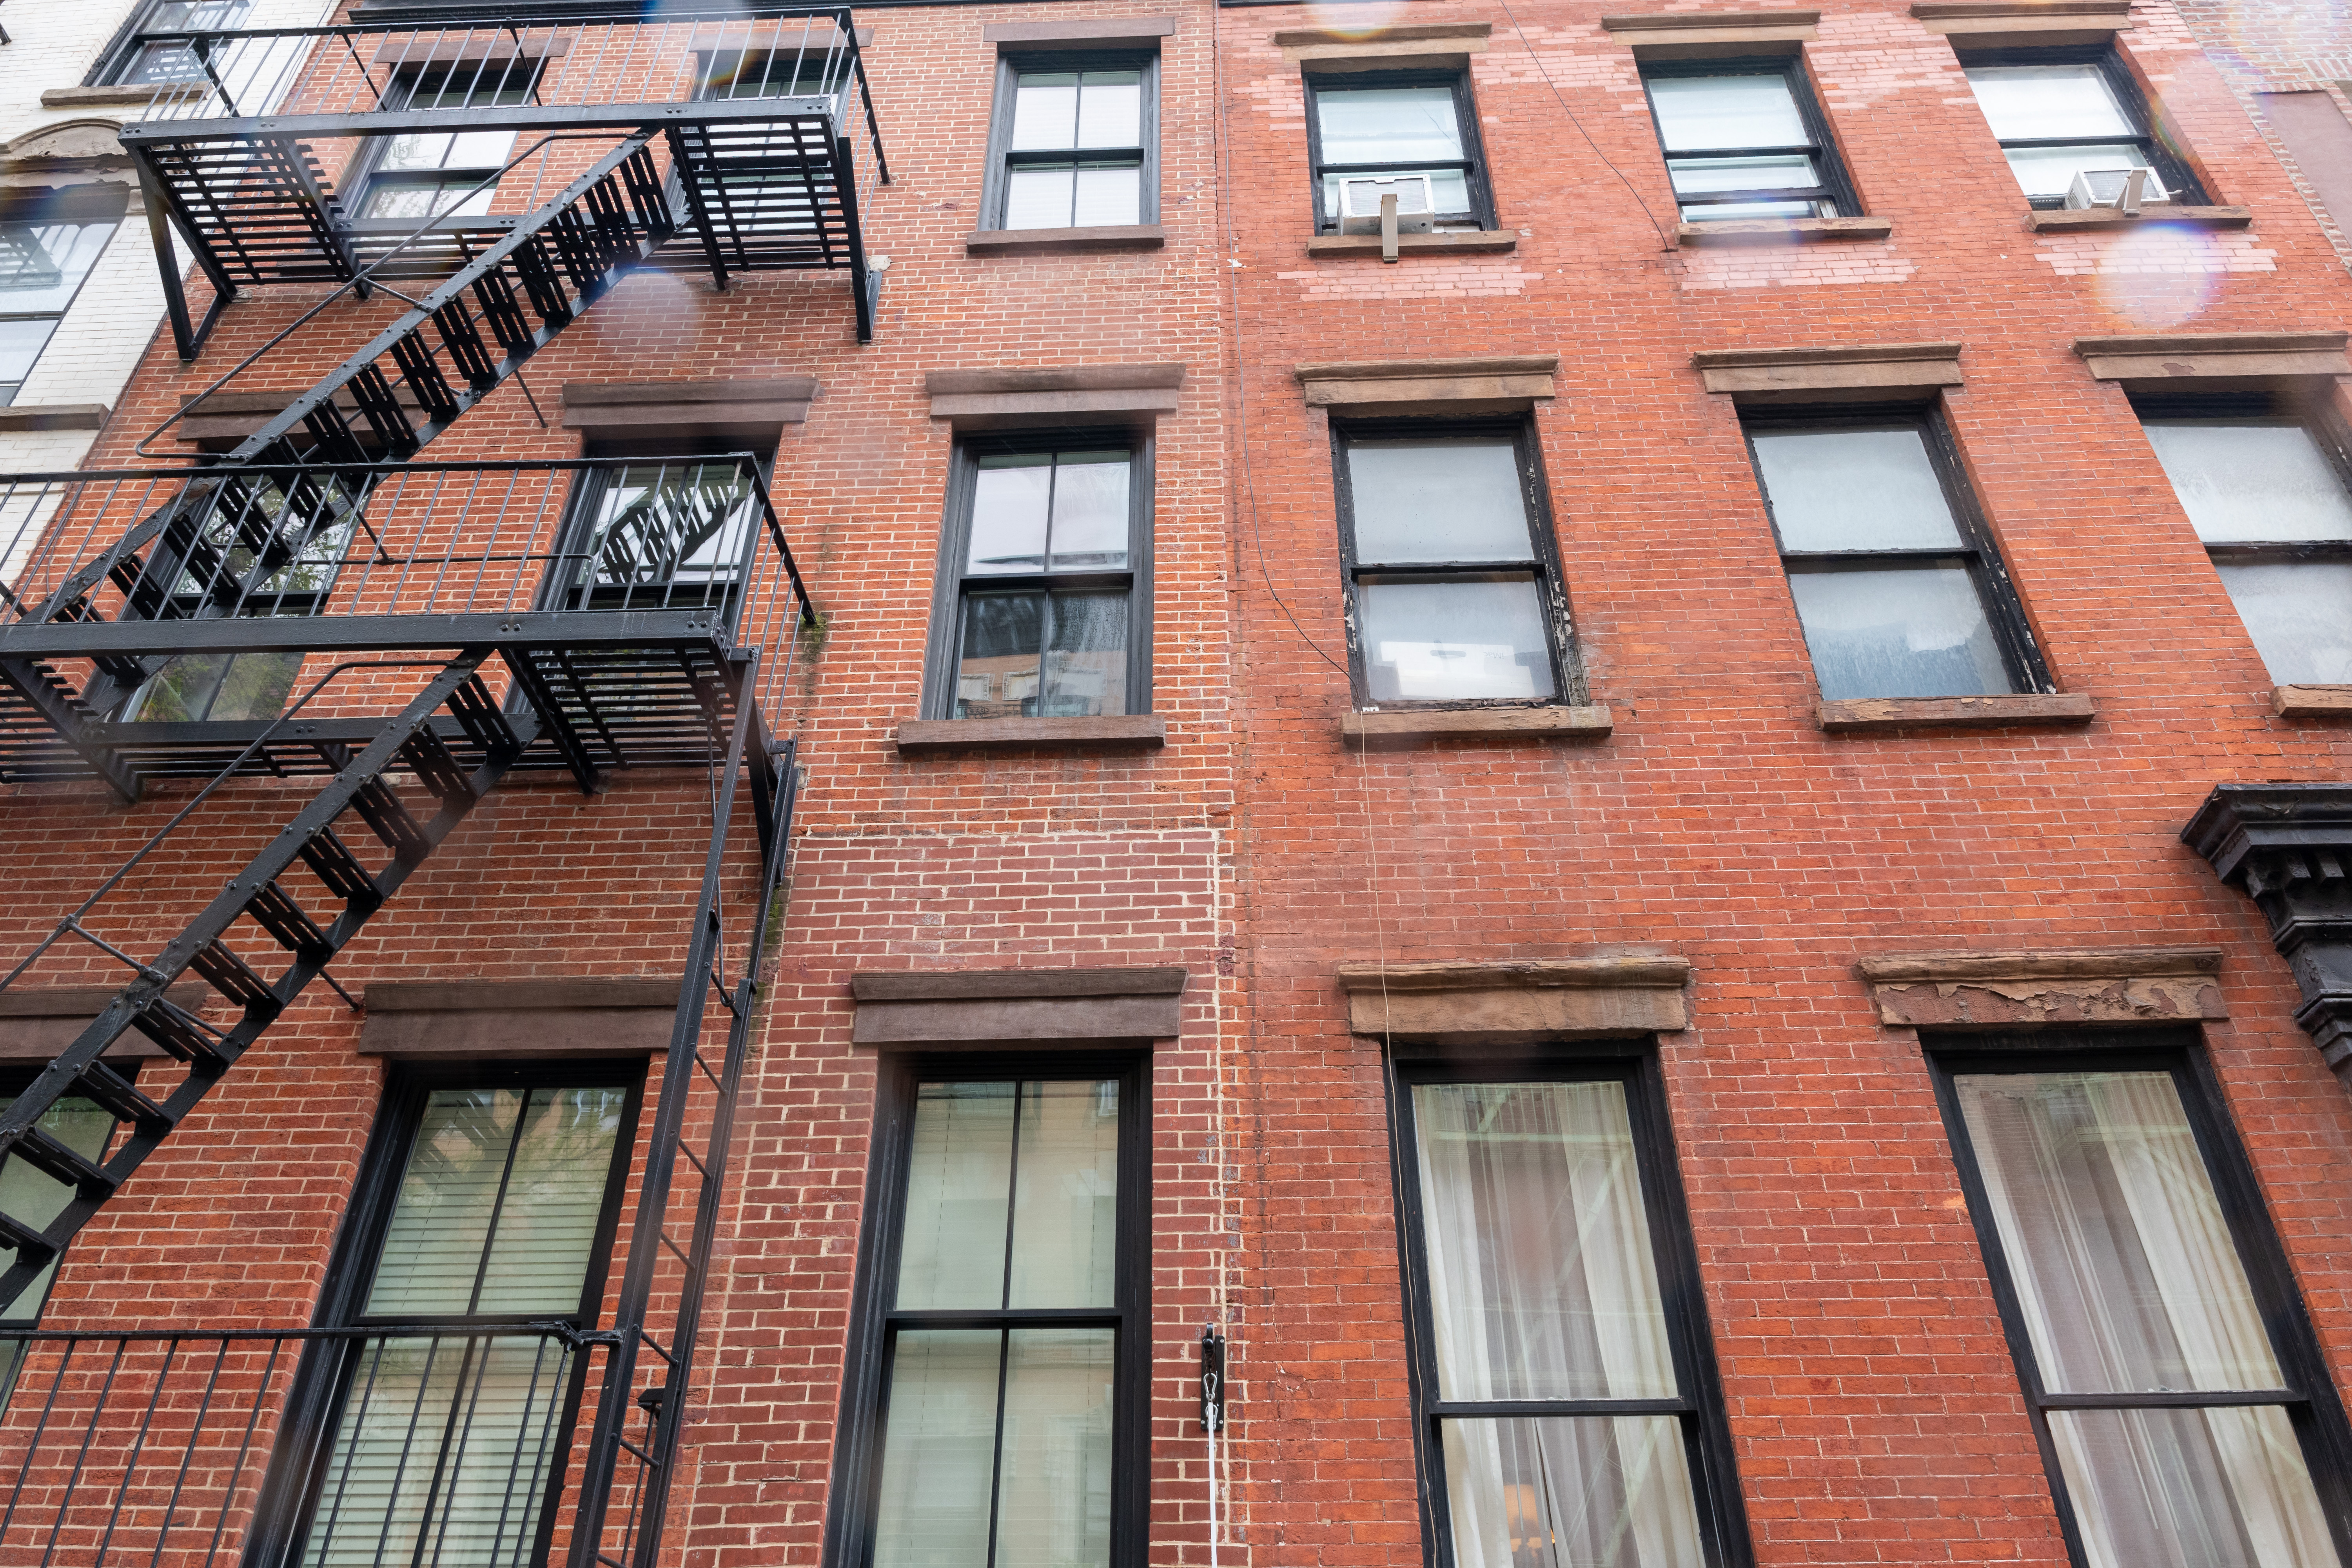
(377, 155)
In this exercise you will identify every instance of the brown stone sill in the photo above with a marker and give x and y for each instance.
(927, 737)
(53, 416)
(2091, 218)
(1031, 241)
(1862, 715)
(2312, 702)
(124, 95)
(1466, 242)
(1404, 726)
(1783, 231)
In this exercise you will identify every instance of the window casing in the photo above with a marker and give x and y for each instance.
(1463, 612)
(1745, 139)
(1044, 607)
(1563, 1385)
(1374, 124)
(2056, 112)
(994, 1412)
(488, 1199)
(656, 531)
(130, 63)
(1075, 142)
(48, 247)
(407, 179)
(1897, 582)
(2163, 1350)
(2267, 483)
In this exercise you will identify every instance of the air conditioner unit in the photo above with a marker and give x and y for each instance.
(2112, 188)
(1360, 204)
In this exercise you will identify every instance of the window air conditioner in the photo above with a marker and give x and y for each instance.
(1359, 205)
(2112, 188)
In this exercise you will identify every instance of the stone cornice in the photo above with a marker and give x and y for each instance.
(1520, 1002)
(2288, 847)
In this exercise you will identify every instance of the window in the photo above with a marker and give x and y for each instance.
(1744, 139)
(996, 1413)
(1047, 600)
(2059, 112)
(486, 1205)
(2266, 489)
(1076, 143)
(1566, 1402)
(1899, 590)
(2185, 1415)
(37, 1197)
(138, 63)
(667, 534)
(1447, 545)
(433, 174)
(1378, 124)
(47, 247)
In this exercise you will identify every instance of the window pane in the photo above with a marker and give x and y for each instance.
(555, 1195)
(1699, 113)
(1090, 511)
(2028, 103)
(1541, 1284)
(2126, 1274)
(1065, 1207)
(43, 264)
(1046, 111)
(1904, 632)
(424, 152)
(1011, 497)
(1003, 634)
(1106, 195)
(1039, 199)
(1086, 658)
(36, 1197)
(1449, 189)
(256, 686)
(1438, 500)
(1427, 638)
(2251, 479)
(958, 1172)
(2049, 171)
(433, 1245)
(1388, 125)
(2299, 614)
(1697, 177)
(20, 345)
(1110, 110)
(1053, 1504)
(939, 1449)
(1729, 212)
(1854, 490)
(1568, 1492)
(2190, 1489)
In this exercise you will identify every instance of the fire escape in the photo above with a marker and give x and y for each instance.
(320, 605)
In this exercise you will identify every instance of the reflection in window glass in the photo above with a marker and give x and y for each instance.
(177, 62)
(1050, 638)
(434, 175)
(44, 259)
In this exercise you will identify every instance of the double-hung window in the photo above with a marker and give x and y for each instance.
(657, 533)
(36, 1197)
(2183, 1409)
(47, 247)
(1451, 573)
(437, 1436)
(433, 174)
(1567, 1410)
(2058, 112)
(1897, 584)
(1378, 125)
(1044, 605)
(995, 1415)
(1744, 139)
(2269, 490)
(1076, 143)
(133, 63)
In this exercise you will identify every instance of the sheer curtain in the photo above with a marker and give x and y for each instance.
(1542, 1286)
(2130, 1282)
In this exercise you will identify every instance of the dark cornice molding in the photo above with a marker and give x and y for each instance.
(2288, 847)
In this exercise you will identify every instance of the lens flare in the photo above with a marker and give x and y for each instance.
(1356, 21)
(2159, 274)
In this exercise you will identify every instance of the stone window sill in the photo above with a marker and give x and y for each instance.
(1406, 726)
(53, 416)
(1867, 715)
(2094, 219)
(1784, 230)
(126, 94)
(1032, 241)
(1466, 242)
(930, 737)
(2312, 702)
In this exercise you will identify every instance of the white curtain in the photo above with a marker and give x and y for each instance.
(2130, 1282)
(1542, 1285)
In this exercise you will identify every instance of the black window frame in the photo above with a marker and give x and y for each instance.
(2170, 168)
(1706, 1419)
(15, 1078)
(2021, 651)
(366, 174)
(1011, 62)
(1473, 162)
(944, 652)
(856, 1473)
(1836, 185)
(589, 488)
(1567, 684)
(115, 62)
(314, 1404)
(2317, 1412)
